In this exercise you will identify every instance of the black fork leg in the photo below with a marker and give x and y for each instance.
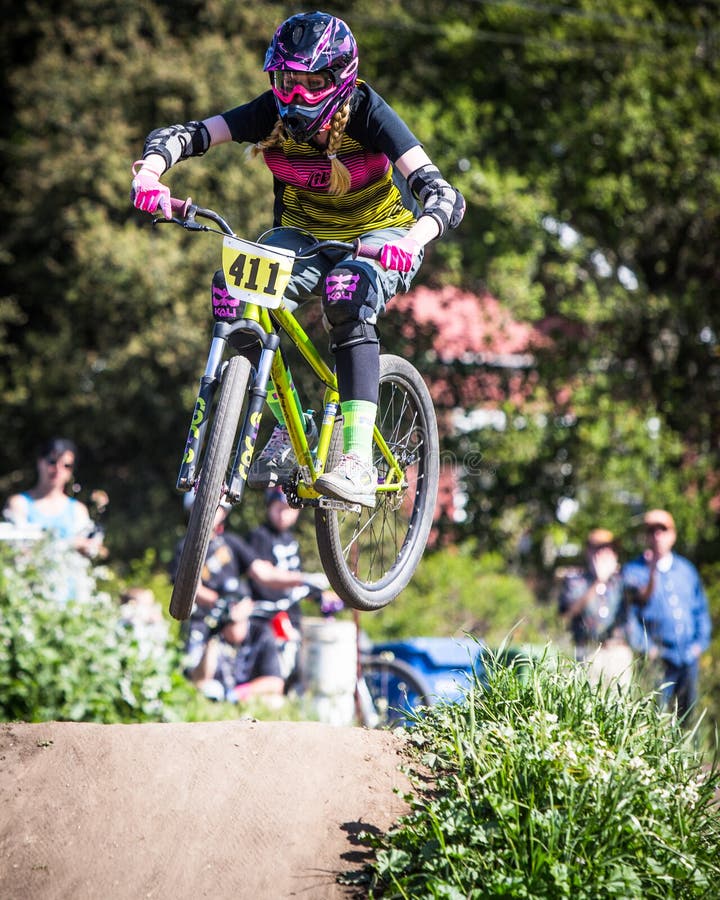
(201, 414)
(251, 425)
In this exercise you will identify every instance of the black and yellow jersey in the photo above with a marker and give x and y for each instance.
(375, 137)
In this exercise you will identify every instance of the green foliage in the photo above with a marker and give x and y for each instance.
(454, 592)
(581, 139)
(543, 786)
(74, 660)
(67, 654)
(117, 313)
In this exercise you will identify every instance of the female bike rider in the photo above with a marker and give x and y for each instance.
(333, 146)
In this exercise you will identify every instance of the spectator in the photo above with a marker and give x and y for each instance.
(226, 563)
(278, 582)
(48, 505)
(668, 611)
(591, 605)
(240, 659)
(269, 559)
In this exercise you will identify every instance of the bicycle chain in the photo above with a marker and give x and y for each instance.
(291, 493)
(295, 501)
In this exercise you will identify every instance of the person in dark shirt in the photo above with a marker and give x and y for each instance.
(266, 566)
(278, 582)
(223, 575)
(592, 606)
(240, 660)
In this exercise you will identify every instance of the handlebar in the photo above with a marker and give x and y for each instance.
(187, 212)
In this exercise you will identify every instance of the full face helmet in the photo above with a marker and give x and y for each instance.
(313, 62)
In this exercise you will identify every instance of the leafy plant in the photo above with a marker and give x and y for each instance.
(544, 786)
(456, 591)
(64, 652)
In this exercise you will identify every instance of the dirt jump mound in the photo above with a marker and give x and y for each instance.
(240, 809)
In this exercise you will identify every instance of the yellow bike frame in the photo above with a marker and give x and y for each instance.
(312, 465)
(264, 322)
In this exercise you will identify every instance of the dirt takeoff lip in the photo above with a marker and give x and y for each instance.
(240, 809)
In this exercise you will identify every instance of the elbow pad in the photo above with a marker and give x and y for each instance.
(176, 142)
(438, 198)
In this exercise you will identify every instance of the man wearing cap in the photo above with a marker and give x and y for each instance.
(668, 619)
(591, 604)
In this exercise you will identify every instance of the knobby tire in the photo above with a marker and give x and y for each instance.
(369, 557)
(211, 483)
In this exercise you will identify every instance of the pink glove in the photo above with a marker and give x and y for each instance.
(399, 255)
(147, 193)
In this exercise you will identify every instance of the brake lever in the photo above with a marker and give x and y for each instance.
(161, 220)
(190, 224)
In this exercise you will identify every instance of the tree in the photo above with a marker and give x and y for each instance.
(106, 319)
(580, 137)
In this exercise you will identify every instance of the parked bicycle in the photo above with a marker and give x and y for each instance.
(369, 554)
(389, 692)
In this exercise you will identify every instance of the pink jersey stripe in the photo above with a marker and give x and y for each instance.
(313, 174)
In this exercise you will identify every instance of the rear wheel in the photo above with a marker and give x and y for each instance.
(370, 556)
(212, 481)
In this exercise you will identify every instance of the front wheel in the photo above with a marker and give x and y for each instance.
(212, 480)
(370, 556)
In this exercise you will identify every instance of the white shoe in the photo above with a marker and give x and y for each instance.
(352, 480)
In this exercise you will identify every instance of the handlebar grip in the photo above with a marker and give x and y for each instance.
(180, 206)
(365, 250)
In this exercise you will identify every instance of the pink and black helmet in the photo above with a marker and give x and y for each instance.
(315, 43)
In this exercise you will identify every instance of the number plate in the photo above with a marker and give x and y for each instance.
(256, 273)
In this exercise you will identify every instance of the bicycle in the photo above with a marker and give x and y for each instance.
(369, 555)
(388, 692)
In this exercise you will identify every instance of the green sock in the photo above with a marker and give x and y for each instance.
(358, 424)
(274, 403)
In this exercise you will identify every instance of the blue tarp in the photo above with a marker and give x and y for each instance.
(446, 664)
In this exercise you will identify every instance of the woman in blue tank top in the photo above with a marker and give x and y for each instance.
(48, 505)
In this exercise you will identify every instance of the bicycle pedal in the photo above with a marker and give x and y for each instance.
(332, 503)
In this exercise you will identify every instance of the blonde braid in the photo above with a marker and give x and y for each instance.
(274, 139)
(339, 175)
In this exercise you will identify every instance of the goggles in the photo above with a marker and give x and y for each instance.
(306, 88)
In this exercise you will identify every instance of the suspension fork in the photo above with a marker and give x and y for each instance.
(208, 386)
(251, 425)
(201, 412)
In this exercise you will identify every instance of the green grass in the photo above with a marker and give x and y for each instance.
(544, 786)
